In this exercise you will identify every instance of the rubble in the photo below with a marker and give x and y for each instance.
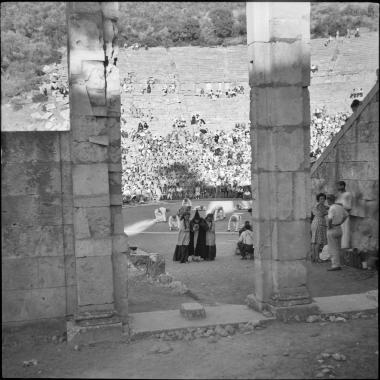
(313, 318)
(29, 363)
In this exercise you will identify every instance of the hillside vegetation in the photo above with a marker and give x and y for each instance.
(32, 33)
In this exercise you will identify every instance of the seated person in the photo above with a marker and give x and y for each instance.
(246, 194)
(245, 243)
(173, 223)
(160, 214)
(235, 219)
(219, 213)
(186, 202)
(200, 208)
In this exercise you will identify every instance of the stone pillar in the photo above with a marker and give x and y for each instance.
(96, 162)
(278, 37)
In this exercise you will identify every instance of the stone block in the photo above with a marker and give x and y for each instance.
(31, 241)
(85, 7)
(67, 179)
(301, 191)
(84, 127)
(279, 64)
(94, 280)
(22, 305)
(267, 21)
(289, 274)
(29, 210)
(93, 247)
(113, 128)
(100, 140)
(156, 264)
(367, 151)
(280, 106)
(120, 243)
(70, 274)
(85, 32)
(294, 312)
(51, 272)
(87, 152)
(284, 196)
(266, 196)
(65, 146)
(31, 179)
(19, 273)
(107, 332)
(193, 310)
(368, 132)
(374, 112)
(114, 154)
(116, 199)
(110, 10)
(71, 299)
(99, 221)
(90, 185)
(81, 226)
(117, 222)
(28, 147)
(293, 241)
(80, 104)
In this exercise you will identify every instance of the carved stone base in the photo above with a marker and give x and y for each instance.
(285, 312)
(94, 327)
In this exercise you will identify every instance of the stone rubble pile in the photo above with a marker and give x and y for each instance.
(212, 333)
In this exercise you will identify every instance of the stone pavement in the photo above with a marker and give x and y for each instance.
(149, 323)
(144, 324)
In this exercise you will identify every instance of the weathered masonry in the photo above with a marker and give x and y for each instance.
(279, 75)
(353, 156)
(63, 238)
(62, 229)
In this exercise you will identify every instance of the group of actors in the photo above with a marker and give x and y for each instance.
(196, 236)
(331, 225)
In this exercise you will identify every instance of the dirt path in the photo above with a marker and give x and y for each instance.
(278, 351)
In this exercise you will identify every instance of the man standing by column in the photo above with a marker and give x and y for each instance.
(345, 199)
(335, 218)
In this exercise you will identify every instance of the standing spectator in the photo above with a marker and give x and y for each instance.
(336, 216)
(345, 199)
(318, 227)
(173, 222)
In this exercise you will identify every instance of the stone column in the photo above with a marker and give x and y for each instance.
(278, 37)
(96, 162)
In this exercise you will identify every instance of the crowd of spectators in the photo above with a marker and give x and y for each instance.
(186, 164)
(323, 128)
(229, 92)
(202, 164)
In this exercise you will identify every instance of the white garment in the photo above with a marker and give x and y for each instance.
(346, 200)
(173, 222)
(246, 237)
(160, 214)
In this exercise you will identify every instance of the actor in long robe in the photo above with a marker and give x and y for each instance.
(210, 239)
(197, 246)
(181, 252)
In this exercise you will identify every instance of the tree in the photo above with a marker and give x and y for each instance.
(223, 22)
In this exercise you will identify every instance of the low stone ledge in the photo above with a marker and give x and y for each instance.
(192, 310)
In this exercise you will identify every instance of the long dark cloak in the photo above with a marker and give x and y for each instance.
(200, 248)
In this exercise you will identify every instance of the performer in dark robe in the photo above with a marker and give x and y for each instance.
(197, 246)
(210, 238)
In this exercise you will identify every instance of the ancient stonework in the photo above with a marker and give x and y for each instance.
(278, 37)
(353, 156)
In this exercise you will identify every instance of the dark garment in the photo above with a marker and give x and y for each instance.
(199, 249)
(246, 249)
(181, 253)
(210, 253)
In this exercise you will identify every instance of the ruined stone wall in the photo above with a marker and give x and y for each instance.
(38, 278)
(353, 157)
